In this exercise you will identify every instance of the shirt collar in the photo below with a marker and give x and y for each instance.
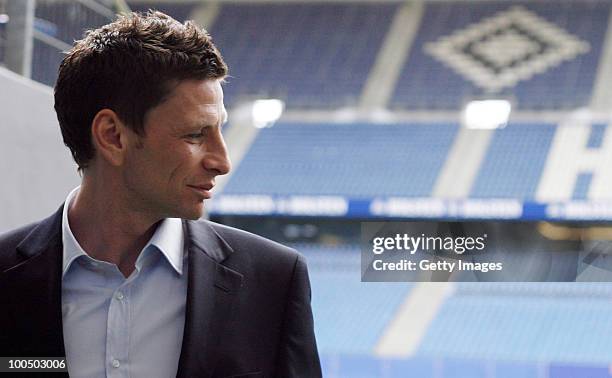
(168, 238)
(72, 249)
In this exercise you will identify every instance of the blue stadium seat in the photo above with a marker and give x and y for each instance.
(514, 161)
(353, 160)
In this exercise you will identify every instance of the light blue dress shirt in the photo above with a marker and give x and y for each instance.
(124, 327)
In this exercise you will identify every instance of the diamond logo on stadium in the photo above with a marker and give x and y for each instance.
(509, 47)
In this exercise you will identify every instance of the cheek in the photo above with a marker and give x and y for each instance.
(192, 156)
(151, 168)
(192, 150)
(182, 164)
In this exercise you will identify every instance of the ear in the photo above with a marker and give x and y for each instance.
(109, 136)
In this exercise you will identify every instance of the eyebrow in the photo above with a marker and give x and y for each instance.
(208, 124)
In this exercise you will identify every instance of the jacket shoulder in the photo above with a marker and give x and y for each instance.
(245, 242)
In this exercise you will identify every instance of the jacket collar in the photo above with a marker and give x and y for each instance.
(204, 238)
(47, 233)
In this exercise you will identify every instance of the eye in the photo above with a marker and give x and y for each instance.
(195, 136)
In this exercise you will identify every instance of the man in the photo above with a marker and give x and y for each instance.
(123, 279)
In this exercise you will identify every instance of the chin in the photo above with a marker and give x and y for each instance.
(188, 210)
(193, 213)
(192, 217)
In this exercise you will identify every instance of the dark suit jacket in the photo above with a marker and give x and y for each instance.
(248, 308)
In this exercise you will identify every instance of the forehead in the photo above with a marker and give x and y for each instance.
(193, 101)
(197, 93)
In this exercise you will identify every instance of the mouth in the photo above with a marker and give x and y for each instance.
(202, 190)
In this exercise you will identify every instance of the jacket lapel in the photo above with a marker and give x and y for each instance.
(211, 290)
(34, 293)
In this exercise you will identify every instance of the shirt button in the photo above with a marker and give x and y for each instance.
(120, 297)
(116, 363)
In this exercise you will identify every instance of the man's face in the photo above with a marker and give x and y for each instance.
(169, 172)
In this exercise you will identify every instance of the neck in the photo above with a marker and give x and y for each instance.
(107, 227)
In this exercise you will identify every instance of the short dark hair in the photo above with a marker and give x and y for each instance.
(128, 66)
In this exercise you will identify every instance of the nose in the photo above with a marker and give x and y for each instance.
(216, 157)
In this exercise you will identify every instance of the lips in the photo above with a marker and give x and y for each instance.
(203, 190)
(203, 186)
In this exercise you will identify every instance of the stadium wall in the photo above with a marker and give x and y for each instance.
(36, 170)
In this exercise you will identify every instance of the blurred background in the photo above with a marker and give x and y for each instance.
(475, 116)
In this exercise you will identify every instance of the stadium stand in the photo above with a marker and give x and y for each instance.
(524, 322)
(181, 11)
(596, 136)
(581, 189)
(349, 315)
(343, 159)
(340, 257)
(514, 161)
(62, 23)
(321, 59)
(52, 19)
(308, 69)
(459, 54)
